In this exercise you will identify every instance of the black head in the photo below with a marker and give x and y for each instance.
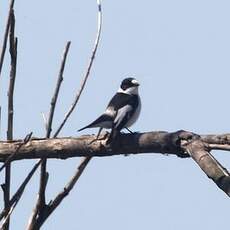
(128, 83)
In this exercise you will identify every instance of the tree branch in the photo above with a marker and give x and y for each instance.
(63, 148)
(212, 168)
(44, 175)
(180, 143)
(58, 199)
(16, 197)
(5, 38)
(11, 157)
(37, 223)
(57, 89)
(13, 54)
(78, 94)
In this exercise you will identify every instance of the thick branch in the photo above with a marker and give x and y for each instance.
(63, 148)
(212, 168)
(180, 143)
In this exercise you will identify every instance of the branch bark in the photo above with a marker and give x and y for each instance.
(86, 146)
(180, 143)
(199, 151)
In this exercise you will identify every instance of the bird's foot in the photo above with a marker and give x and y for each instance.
(131, 131)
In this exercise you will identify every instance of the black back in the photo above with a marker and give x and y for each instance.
(121, 99)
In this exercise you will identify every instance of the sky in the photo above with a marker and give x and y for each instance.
(179, 51)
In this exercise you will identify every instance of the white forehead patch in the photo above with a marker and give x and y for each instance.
(134, 81)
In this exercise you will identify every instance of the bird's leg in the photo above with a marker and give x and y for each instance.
(97, 137)
(99, 132)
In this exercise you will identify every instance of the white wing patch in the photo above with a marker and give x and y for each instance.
(121, 113)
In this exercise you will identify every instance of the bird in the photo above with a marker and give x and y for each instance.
(122, 111)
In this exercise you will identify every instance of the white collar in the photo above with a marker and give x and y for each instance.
(131, 90)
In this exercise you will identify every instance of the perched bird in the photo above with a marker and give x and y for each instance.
(122, 110)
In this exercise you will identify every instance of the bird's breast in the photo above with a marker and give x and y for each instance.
(135, 115)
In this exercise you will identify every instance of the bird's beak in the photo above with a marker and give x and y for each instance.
(135, 82)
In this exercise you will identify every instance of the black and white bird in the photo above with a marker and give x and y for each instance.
(122, 111)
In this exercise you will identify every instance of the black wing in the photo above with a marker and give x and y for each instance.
(119, 100)
(125, 105)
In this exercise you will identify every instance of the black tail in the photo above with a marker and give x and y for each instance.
(96, 123)
(88, 126)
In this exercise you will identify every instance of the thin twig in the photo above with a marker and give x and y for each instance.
(0, 120)
(70, 185)
(41, 201)
(16, 197)
(38, 222)
(13, 54)
(56, 92)
(78, 94)
(6, 220)
(11, 157)
(58, 199)
(4, 44)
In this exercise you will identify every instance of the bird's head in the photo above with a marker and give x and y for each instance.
(129, 86)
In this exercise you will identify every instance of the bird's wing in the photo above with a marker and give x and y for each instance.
(119, 100)
(123, 116)
(124, 106)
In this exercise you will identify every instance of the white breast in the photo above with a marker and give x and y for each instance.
(135, 116)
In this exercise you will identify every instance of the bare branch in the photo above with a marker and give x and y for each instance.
(219, 147)
(58, 199)
(217, 139)
(212, 168)
(63, 148)
(0, 120)
(180, 143)
(13, 54)
(6, 220)
(11, 157)
(44, 175)
(86, 160)
(56, 92)
(78, 94)
(44, 215)
(16, 197)
(4, 44)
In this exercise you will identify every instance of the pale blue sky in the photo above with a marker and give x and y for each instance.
(180, 53)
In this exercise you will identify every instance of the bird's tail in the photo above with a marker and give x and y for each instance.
(88, 126)
(98, 122)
